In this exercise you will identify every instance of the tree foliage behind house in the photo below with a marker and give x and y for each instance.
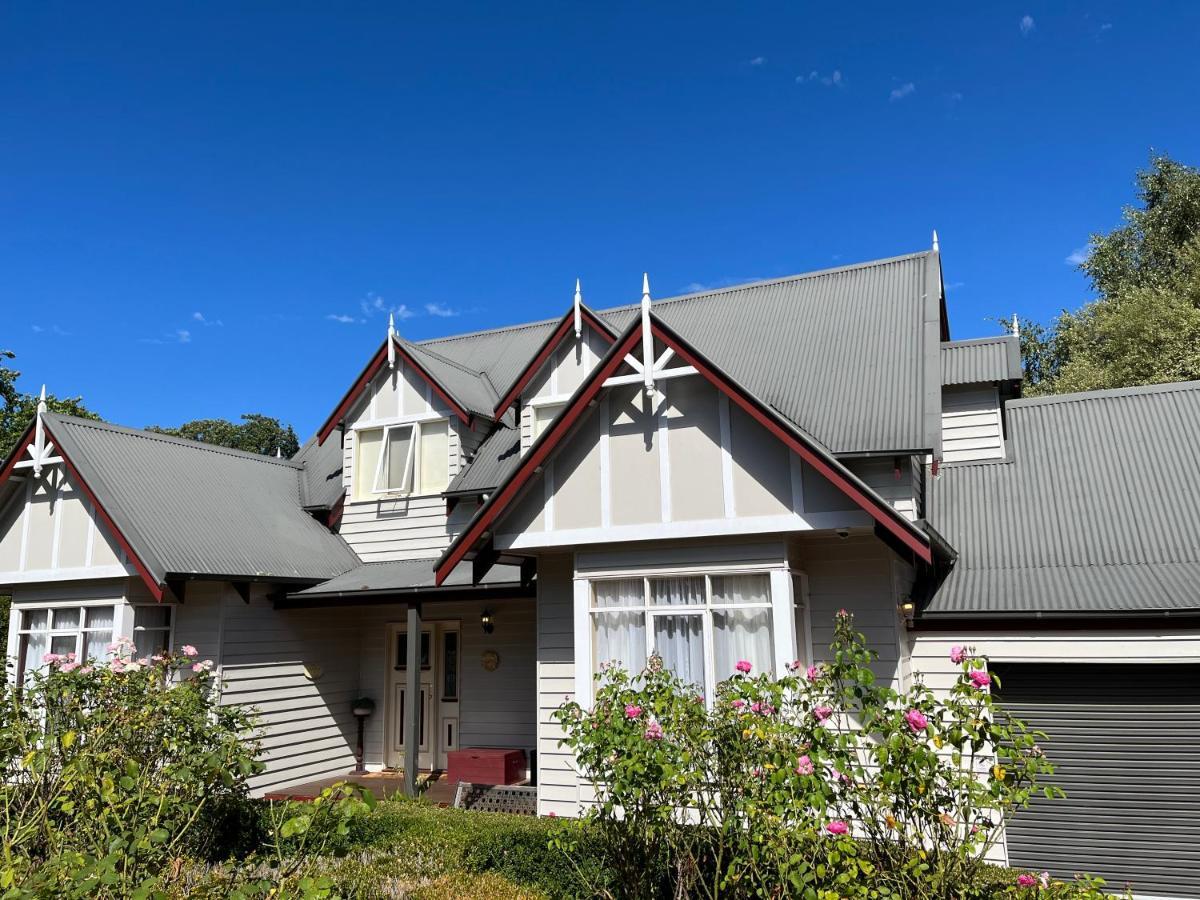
(256, 433)
(1144, 325)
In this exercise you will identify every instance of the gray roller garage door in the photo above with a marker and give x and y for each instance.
(1126, 740)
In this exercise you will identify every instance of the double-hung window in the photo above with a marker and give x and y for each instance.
(700, 625)
(406, 458)
(85, 631)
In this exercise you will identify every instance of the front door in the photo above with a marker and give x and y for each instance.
(437, 730)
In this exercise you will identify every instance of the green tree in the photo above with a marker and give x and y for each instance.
(1144, 325)
(256, 433)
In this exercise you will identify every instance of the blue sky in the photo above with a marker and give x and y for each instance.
(208, 207)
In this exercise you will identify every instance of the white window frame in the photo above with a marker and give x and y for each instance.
(538, 403)
(412, 463)
(704, 610)
(51, 632)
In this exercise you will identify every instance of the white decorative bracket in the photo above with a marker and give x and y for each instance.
(648, 369)
(391, 341)
(578, 311)
(41, 451)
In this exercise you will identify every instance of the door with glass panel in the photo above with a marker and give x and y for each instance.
(699, 625)
(398, 698)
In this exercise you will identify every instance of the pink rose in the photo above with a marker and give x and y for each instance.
(51, 658)
(813, 673)
(979, 678)
(86, 670)
(916, 720)
(804, 766)
(767, 709)
(70, 667)
(654, 731)
(795, 665)
(757, 773)
(189, 650)
(837, 826)
(739, 703)
(822, 713)
(552, 815)
(957, 654)
(1044, 879)
(632, 711)
(842, 614)
(1025, 880)
(755, 707)
(743, 666)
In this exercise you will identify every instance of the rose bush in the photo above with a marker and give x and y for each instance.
(821, 783)
(110, 769)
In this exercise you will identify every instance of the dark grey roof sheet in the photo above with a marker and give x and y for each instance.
(192, 508)
(496, 457)
(1096, 511)
(406, 575)
(321, 472)
(981, 360)
(847, 354)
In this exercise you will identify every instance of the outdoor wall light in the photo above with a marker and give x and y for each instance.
(487, 621)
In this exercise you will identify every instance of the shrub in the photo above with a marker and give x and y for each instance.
(108, 769)
(821, 783)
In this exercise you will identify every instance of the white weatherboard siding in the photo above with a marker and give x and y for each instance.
(299, 669)
(971, 427)
(684, 463)
(496, 709)
(49, 532)
(558, 783)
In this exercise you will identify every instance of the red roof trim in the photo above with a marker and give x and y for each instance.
(880, 512)
(548, 347)
(537, 454)
(364, 379)
(153, 586)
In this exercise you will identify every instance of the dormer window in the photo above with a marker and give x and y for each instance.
(404, 458)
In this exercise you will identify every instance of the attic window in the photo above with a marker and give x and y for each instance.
(407, 458)
(395, 470)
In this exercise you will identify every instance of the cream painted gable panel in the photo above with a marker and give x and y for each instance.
(681, 463)
(557, 380)
(48, 532)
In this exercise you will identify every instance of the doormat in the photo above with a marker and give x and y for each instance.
(515, 799)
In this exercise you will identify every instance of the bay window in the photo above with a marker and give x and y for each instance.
(407, 458)
(700, 625)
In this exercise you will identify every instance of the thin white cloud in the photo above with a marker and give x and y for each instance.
(441, 310)
(200, 317)
(1107, 26)
(183, 335)
(955, 97)
(833, 79)
(696, 287)
(1078, 256)
(178, 336)
(38, 329)
(1027, 24)
(373, 304)
(337, 317)
(758, 61)
(903, 91)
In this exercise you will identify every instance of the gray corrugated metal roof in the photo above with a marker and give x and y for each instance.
(406, 575)
(1097, 510)
(981, 360)
(467, 385)
(192, 508)
(847, 354)
(321, 472)
(496, 457)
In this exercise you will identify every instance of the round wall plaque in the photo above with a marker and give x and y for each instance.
(490, 660)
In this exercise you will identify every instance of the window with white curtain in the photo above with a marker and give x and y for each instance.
(410, 458)
(85, 631)
(700, 625)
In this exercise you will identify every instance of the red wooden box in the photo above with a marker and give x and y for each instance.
(485, 765)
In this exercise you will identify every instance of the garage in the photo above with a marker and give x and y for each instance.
(1126, 743)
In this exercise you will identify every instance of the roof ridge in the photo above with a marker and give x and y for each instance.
(675, 298)
(173, 439)
(1166, 387)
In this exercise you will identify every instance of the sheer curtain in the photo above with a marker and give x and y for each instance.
(741, 633)
(685, 591)
(679, 640)
(619, 636)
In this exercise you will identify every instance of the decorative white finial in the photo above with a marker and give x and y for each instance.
(647, 338)
(391, 341)
(1016, 326)
(278, 452)
(39, 435)
(935, 241)
(578, 304)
